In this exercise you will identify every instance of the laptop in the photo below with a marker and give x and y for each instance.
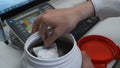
(20, 15)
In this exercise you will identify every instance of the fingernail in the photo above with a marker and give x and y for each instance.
(47, 43)
(83, 52)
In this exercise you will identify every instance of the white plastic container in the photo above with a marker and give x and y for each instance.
(71, 58)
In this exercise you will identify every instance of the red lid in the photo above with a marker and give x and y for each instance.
(100, 49)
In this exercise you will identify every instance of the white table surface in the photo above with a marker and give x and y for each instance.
(12, 58)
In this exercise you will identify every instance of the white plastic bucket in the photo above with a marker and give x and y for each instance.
(71, 59)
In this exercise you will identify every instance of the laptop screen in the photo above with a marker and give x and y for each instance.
(7, 5)
(21, 24)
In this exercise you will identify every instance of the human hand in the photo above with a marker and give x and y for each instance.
(87, 63)
(62, 21)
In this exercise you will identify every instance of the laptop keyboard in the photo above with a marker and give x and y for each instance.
(84, 26)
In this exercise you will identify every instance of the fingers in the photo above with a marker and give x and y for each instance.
(50, 39)
(87, 63)
(36, 24)
(42, 30)
(85, 56)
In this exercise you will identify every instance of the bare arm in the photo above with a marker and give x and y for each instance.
(63, 20)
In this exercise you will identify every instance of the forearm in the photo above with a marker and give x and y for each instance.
(101, 8)
(84, 10)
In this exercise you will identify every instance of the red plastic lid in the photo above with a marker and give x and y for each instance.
(100, 49)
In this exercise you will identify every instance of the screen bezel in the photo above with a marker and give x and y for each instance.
(20, 9)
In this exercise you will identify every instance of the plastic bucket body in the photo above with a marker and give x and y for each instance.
(71, 58)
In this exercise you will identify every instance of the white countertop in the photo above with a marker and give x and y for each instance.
(11, 58)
